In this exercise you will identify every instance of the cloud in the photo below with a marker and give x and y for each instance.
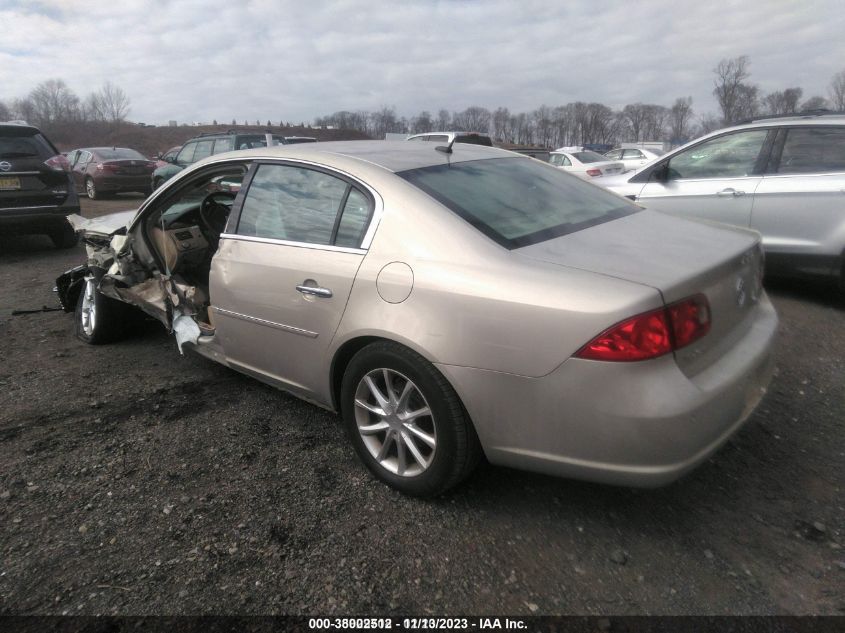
(217, 59)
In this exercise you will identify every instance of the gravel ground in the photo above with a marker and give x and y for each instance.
(137, 481)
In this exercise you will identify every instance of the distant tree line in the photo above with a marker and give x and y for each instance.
(582, 123)
(52, 103)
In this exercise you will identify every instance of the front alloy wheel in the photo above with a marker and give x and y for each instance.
(395, 422)
(91, 189)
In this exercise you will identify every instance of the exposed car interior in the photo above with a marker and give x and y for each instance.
(184, 232)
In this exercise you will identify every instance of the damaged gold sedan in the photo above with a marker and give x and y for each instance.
(448, 301)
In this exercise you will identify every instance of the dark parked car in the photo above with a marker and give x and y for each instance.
(36, 191)
(216, 143)
(168, 157)
(101, 170)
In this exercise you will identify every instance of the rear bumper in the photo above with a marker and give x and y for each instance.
(633, 424)
(35, 219)
(140, 182)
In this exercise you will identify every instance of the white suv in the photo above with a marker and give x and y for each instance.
(784, 177)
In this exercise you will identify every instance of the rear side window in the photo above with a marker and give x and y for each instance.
(224, 145)
(203, 150)
(516, 201)
(559, 160)
(813, 150)
(298, 205)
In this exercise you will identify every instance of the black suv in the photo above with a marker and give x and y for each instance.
(216, 143)
(36, 190)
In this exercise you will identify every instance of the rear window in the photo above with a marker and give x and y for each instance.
(516, 201)
(35, 146)
(589, 157)
(119, 153)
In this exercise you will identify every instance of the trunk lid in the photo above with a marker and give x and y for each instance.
(678, 257)
(128, 167)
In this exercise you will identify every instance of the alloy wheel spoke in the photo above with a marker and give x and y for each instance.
(377, 394)
(369, 407)
(407, 390)
(385, 447)
(418, 432)
(372, 429)
(409, 442)
(402, 457)
(388, 385)
(409, 416)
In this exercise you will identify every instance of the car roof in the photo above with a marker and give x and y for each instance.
(12, 126)
(393, 156)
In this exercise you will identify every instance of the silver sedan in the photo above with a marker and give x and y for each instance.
(450, 302)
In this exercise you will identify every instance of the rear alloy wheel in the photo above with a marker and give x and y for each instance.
(406, 422)
(101, 319)
(91, 189)
(64, 237)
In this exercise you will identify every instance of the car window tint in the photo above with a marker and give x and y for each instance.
(224, 145)
(203, 150)
(614, 154)
(728, 156)
(186, 154)
(516, 201)
(118, 153)
(631, 153)
(353, 222)
(291, 203)
(813, 150)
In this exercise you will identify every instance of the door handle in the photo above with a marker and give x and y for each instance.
(315, 291)
(730, 192)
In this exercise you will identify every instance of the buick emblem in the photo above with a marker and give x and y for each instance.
(740, 292)
(5, 166)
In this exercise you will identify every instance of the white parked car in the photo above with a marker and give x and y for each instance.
(631, 158)
(585, 164)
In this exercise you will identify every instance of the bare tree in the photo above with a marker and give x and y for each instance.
(708, 123)
(815, 103)
(782, 102)
(730, 89)
(837, 91)
(443, 120)
(422, 123)
(114, 102)
(500, 122)
(5, 112)
(680, 118)
(53, 102)
(635, 114)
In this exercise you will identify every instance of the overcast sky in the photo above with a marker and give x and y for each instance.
(298, 59)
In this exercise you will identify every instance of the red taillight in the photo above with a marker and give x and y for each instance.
(58, 162)
(594, 172)
(690, 320)
(651, 334)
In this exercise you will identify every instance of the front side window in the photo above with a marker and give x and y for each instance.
(615, 154)
(729, 156)
(298, 205)
(813, 150)
(518, 202)
(186, 154)
(631, 153)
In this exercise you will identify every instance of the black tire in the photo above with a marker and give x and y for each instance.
(112, 320)
(91, 189)
(457, 449)
(64, 237)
